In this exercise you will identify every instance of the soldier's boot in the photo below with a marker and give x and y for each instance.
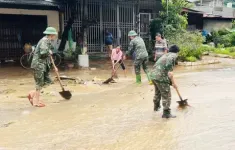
(167, 114)
(149, 79)
(157, 106)
(138, 79)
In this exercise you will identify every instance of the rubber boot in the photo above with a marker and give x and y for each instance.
(149, 79)
(167, 114)
(157, 107)
(138, 79)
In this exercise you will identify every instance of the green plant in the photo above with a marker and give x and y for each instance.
(174, 21)
(233, 23)
(223, 31)
(223, 38)
(190, 44)
(191, 59)
(220, 45)
(232, 50)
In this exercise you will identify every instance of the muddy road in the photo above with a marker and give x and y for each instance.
(120, 116)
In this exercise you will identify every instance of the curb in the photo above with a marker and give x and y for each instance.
(203, 62)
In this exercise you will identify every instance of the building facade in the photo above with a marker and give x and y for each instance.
(23, 21)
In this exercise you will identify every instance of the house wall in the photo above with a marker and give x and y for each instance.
(210, 24)
(52, 16)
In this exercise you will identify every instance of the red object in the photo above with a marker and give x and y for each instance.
(30, 99)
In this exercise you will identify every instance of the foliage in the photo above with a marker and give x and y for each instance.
(172, 24)
(223, 38)
(173, 20)
(230, 51)
(190, 44)
(233, 23)
(191, 59)
(223, 31)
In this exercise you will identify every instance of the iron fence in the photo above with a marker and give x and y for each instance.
(116, 17)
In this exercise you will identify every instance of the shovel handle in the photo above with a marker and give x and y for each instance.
(115, 70)
(57, 74)
(179, 94)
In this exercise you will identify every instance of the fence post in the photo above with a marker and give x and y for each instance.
(101, 28)
(118, 26)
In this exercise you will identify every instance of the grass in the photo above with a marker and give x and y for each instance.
(191, 59)
(226, 51)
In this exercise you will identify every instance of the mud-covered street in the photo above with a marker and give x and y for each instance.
(119, 116)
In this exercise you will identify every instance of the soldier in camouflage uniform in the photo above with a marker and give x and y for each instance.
(41, 65)
(162, 77)
(138, 48)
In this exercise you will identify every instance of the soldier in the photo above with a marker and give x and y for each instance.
(41, 65)
(138, 49)
(162, 77)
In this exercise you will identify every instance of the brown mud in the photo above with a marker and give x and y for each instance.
(119, 115)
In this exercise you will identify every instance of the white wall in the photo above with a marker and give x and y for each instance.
(52, 16)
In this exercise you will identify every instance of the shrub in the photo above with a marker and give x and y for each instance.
(190, 45)
(191, 59)
(223, 31)
(225, 40)
(232, 49)
(206, 48)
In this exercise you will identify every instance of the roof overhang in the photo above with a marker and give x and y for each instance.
(191, 11)
(32, 4)
(216, 16)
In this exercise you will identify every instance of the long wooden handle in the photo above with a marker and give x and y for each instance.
(115, 70)
(179, 94)
(57, 74)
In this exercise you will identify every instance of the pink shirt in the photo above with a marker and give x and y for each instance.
(115, 55)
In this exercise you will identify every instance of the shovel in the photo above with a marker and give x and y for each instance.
(111, 78)
(65, 94)
(183, 102)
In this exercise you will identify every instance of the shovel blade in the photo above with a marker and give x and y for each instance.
(108, 81)
(66, 94)
(183, 103)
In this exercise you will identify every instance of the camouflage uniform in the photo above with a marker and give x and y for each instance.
(137, 47)
(41, 63)
(161, 81)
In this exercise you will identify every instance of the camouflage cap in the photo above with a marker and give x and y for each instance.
(50, 30)
(132, 33)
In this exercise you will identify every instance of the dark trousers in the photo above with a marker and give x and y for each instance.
(121, 63)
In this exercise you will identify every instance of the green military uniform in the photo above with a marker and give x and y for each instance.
(138, 48)
(41, 63)
(161, 81)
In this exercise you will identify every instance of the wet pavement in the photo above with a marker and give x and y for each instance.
(120, 116)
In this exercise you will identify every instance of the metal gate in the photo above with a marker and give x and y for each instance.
(116, 17)
(144, 23)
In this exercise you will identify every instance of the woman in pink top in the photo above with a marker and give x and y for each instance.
(117, 57)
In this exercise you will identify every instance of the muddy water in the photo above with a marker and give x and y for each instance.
(122, 118)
